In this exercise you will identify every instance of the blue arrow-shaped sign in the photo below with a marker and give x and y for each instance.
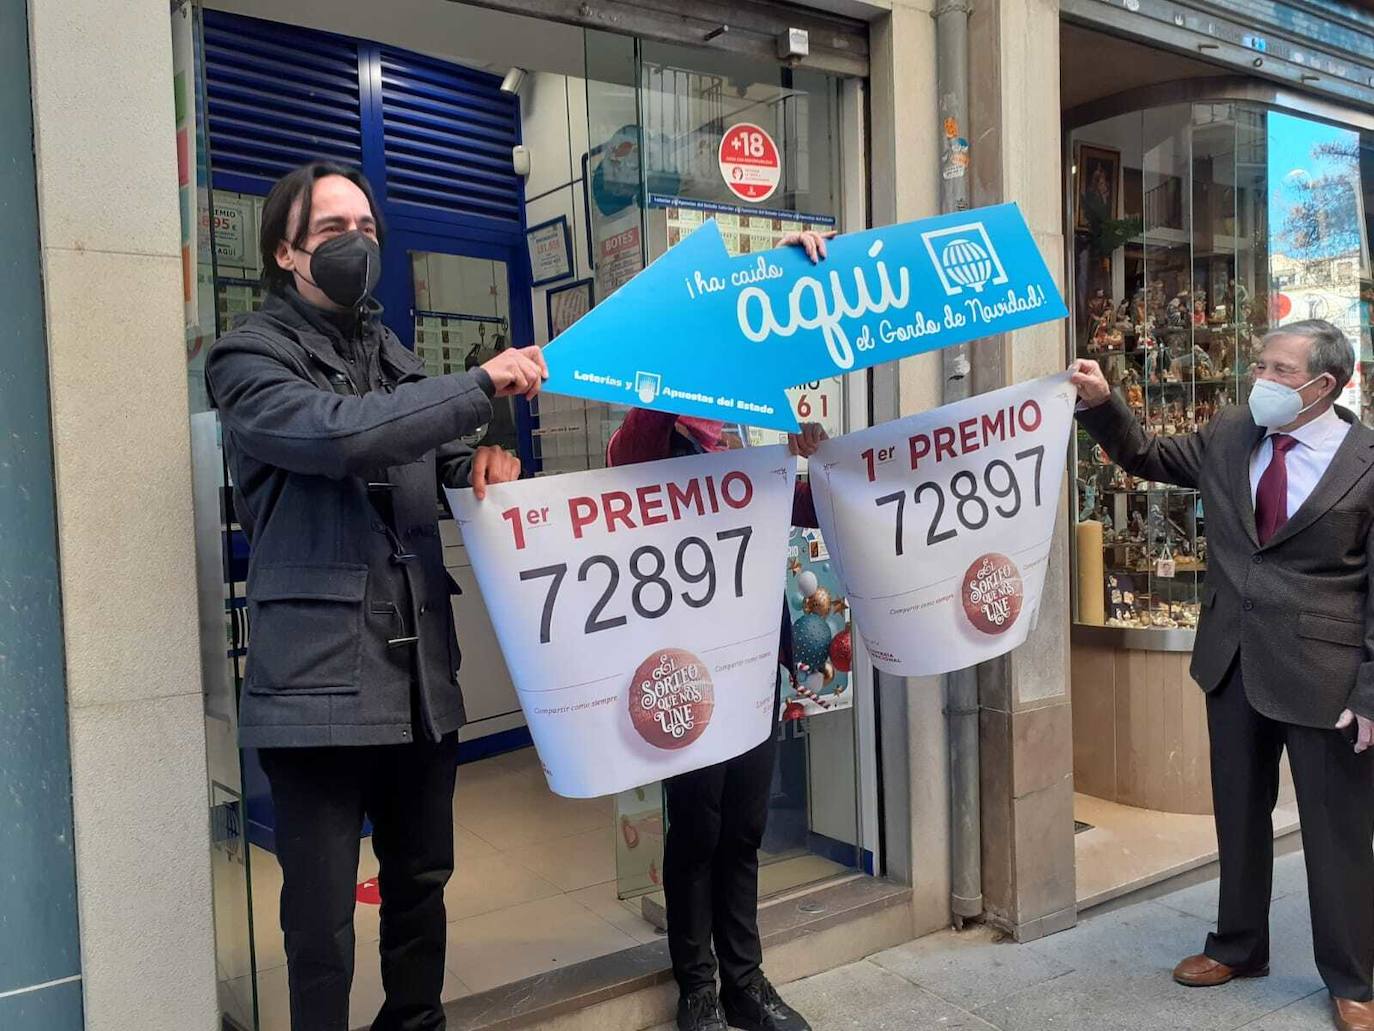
(701, 333)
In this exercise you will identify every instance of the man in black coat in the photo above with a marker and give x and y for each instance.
(337, 445)
(1285, 644)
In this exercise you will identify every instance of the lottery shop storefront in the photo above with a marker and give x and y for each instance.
(526, 170)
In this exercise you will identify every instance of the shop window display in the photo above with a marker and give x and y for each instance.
(1196, 229)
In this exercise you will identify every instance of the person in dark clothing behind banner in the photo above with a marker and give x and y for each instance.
(717, 815)
(337, 443)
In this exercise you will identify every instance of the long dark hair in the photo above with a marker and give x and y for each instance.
(298, 187)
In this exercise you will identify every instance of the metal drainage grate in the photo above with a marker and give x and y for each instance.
(1079, 826)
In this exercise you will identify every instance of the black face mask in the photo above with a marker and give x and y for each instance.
(346, 268)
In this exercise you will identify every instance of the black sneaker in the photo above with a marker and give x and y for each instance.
(700, 1011)
(758, 1008)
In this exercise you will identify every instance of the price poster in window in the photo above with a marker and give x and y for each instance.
(637, 609)
(940, 524)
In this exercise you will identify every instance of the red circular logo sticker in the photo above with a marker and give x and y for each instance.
(671, 698)
(750, 162)
(992, 593)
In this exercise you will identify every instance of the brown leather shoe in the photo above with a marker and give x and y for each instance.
(1354, 1016)
(1203, 971)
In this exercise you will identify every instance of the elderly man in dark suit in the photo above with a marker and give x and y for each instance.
(1285, 645)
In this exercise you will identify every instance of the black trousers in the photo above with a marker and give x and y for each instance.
(1335, 789)
(321, 796)
(716, 820)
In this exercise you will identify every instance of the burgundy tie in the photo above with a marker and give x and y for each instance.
(1271, 498)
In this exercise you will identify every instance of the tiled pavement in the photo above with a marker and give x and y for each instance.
(1110, 972)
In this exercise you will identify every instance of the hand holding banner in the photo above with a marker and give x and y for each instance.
(940, 524)
(637, 609)
(700, 333)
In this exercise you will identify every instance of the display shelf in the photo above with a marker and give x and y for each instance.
(1140, 570)
(1188, 383)
(1141, 639)
(1170, 312)
(1146, 490)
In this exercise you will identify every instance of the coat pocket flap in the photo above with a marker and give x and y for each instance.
(1328, 628)
(278, 582)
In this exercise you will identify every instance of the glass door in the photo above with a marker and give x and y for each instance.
(678, 136)
(461, 320)
(461, 317)
(221, 269)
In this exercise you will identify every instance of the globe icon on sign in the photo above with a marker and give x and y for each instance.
(966, 263)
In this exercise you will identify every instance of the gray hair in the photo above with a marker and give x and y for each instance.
(1331, 352)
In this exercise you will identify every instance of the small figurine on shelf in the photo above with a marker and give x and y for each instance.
(1139, 313)
(1154, 298)
(1159, 619)
(1200, 308)
(1135, 395)
(1202, 414)
(1224, 346)
(1156, 361)
(1098, 306)
(1121, 610)
(1174, 373)
(1124, 322)
(1100, 331)
(1099, 311)
(1238, 302)
(1197, 362)
(1088, 505)
(1173, 317)
(1109, 333)
(1178, 418)
(1145, 334)
(1157, 524)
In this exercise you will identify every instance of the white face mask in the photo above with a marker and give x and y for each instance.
(1273, 404)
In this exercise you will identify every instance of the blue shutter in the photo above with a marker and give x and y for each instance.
(447, 135)
(278, 97)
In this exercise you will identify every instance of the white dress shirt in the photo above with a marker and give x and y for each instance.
(1307, 461)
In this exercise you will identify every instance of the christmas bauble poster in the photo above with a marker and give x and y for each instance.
(822, 655)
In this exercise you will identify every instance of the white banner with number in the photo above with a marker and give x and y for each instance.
(638, 609)
(940, 524)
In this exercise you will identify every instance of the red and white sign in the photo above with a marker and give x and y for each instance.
(637, 608)
(940, 524)
(750, 162)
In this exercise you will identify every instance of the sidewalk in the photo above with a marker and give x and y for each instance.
(1109, 972)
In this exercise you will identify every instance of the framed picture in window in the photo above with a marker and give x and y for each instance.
(550, 247)
(567, 304)
(1096, 193)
